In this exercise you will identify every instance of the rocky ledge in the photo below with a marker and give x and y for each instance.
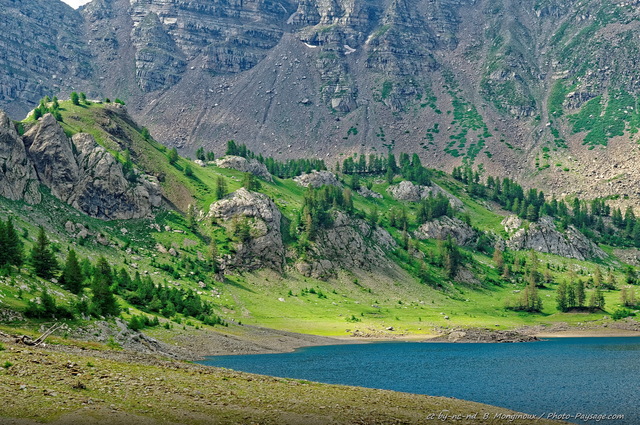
(245, 165)
(482, 335)
(317, 179)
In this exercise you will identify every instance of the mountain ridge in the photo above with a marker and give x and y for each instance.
(489, 82)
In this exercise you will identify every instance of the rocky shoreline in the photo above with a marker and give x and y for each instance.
(479, 335)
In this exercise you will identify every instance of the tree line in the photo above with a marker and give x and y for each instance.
(283, 169)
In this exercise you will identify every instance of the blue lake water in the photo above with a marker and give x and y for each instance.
(598, 376)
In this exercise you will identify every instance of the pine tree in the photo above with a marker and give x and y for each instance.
(596, 300)
(72, 277)
(561, 297)
(75, 99)
(498, 258)
(42, 259)
(221, 187)
(580, 294)
(597, 278)
(450, 257)
(103, 302)
(173, 156)
(571, 295)
(11, 250)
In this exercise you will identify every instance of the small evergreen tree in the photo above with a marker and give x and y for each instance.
(42, 259)
(75, 99)
(173, 156)
(103, 302)
(221, 187)
(580, 294)
(200, 154)
(561, 297)
(72, 277)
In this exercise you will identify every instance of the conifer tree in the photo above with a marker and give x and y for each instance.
(561, 297)
(72, 277)
(42, 259)
(173, 156)
(498, 258)
(75, 99)
(103, 302)
(580, 294)
(221, 187)
(11, 251)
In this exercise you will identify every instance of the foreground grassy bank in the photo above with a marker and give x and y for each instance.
(70, 384)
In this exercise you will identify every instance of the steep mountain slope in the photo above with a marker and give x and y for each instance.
(545, 92)
(387, 257)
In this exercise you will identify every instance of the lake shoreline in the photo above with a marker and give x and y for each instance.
(242, 340)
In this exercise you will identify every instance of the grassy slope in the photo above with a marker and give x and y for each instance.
(68, 385)
(355, 300)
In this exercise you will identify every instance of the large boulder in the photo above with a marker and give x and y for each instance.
(543, 236)
(350, 244)
(443, 227)
(408, 191)
(245, 165)
(18, 178)
(264, 247)
(83, 174)
(317, 179)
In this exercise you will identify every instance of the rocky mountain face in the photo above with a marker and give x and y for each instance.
(349, 244)
(77, 171)
(544, 92)
(543, 236)
(42, 51)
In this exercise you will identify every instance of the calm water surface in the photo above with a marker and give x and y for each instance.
(563, 375)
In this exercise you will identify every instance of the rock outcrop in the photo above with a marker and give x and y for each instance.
(18, 178)
(543, 236)
(408, 191)
(245, 165)
(350, 244)
(368, 193)
(263, 245)
(443, 227)
(317, 179)
(86, 176)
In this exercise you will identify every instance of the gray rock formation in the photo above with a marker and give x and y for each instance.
(443, 227)
(368, 193)
(18, 178)
(350, 244)
(408, 191)
(264, 247)
(543, 236)
(102, 189)
(239, 163)
(317, 179)
(86, 176)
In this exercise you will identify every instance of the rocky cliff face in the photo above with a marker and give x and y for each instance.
(262, 244)
(18, 178)
(543, 236)
(77, 171)
(408, 191)
(42, 51)
(444, 227)
(350, 244)
(491, 82)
